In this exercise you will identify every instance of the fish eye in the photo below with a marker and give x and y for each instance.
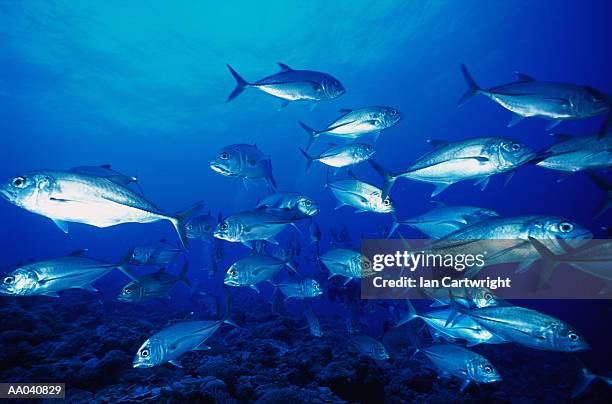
(224, 226)
(127, 291)
(308, 202)
(19, 182)
(9, 280)
(366, 264)
(488, 296)
(516, 147)
(566, 227)
(488, 369)
(573, 336)
(189, 226)
(386, 202)
(224, 156)
(144, 353)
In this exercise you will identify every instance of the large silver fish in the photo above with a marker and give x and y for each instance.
(575, 153)
(370, 347)
(542, 99)
(74, 271)
(289, 205)
(346, 263)
(444, 220)
(65, 196)
(356, 123)
(244, 161)
(506, 239)
(529, 328)
(464, 327)
(251, 226)
(468, 366)
(362, 196)
(169, 344)
(472, 159)
(254, 269)
(292, 85)
(152, 286)
(341, 156)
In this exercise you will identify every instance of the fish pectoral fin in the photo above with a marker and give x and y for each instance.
(347, 281)
(202, 347)
(255, 288)
(464, 385)
(63, 226)
(88, 287)
(516, 118)
(553, 124)
(51, 294)
(482, 182)
(175, 363)
(440, 188)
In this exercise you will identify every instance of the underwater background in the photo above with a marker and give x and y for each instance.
(143, 87)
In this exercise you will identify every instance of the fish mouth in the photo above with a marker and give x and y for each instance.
(220, 168)
(5, 194)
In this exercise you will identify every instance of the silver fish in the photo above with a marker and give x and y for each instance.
(167, 345)
(152, 286)
(360, 195)
(464, 327)
(347, 263)
(244, 161)
(594, 258)
(529, 328)
(356, 123)
(292, 85)
(578, 153)
(370, 347)
(202, 227)
(341, 156)
(254, 269)
(74, 271)
(290, 205)
(466, 297)
(507, 239)
(542, 99)
(65, 196)
(303, 289)
(472, 159)
(160, 252)
(444, 220)
(250, 226)
(468, 366)
(313, 323)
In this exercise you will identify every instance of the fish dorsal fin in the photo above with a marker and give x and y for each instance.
(437, 143)
(345, 110)
(78, 253)
(163, 240)
(284, 67)
(106, 166)
(524, 77)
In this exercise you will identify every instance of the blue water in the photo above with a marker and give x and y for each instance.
(143, 87)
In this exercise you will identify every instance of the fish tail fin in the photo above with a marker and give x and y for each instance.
(183, 274)
(291, 265)
(241, 84)
(308, 157)
(180, 220)
(123, 266)
(312, 134)
(473, 88)
(411, 315)
(389, 179)
(585, 378)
